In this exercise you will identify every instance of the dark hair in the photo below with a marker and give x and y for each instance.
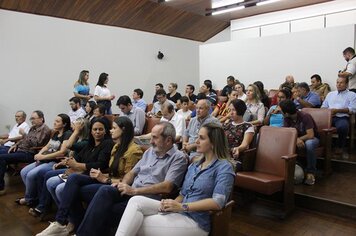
(126, 137)
(161, 92)
(261, 88)
(349, 50)
(184, 99)
(103, 76)
(288, 107)
(286, 85)
(123, 100)
(92, 105)
(286, 92)
(191, 87)
(242, 86)
(208, 85)
(66, 121)
(208, 80)
(106, 124)
(75, 100)
(40, 115)
(231, 78)
(174, 85)
(303, 85)
(230, 91)
(200, 96)
(101, 108)
(139, 92)
(240, 106)
(160, 85)
(317, 77)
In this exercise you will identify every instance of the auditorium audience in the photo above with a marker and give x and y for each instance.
(207, 187)
(342, 102)
(56, 149)
(99, 111)
(274, 115)
(137, 99)
(350, 69)
(255, 112)
(307, 140)
(82, 89)
(263, 96)
(189, 92)
(102, 94)
(173, 95)
(18, 131)
(239, 133)
(136, 115)
(161, 98)
(24, 150)
(76, 109)
(171, 116)
(157, 87)
(160, 171)
(207, 89)
(317, 86)
(191, 133)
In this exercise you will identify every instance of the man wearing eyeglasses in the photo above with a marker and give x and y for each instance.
(24, 151)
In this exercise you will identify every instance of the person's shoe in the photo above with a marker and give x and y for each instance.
(2, 192)
(21, 201)
(54, 228)
(310, 180)
(34, 212)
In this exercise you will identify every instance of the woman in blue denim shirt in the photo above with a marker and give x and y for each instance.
(207, 186)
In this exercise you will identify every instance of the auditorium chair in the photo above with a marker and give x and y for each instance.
(220, 220)
(149, 107)
(149, 123)
(323, 121)
(269, 168)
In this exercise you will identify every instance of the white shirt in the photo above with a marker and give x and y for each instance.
(15, 132)
(178, 122)
(351, 68)
(73, 115)
(101, 91)
(184, 114)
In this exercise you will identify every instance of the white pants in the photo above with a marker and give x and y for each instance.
(141, 217)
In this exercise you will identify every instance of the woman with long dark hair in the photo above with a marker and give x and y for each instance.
(102, 94)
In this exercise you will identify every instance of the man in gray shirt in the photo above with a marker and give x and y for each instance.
(191, 133)
(136, 115)
(161, 169)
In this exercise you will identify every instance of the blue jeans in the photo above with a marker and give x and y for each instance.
(310, 146)
(71, 201)
(4, 149)
(45, 198)
(12, 158)
(99, 214)
(52, 182)
(342, 128)
(32, 176)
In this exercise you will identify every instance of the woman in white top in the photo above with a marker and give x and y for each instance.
(102, 94)
(240, 88)
(255, 112)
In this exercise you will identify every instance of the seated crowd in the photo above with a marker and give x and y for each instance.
(92, 156)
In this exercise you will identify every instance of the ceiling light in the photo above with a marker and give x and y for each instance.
(222, 3)
(227, 10)
(267, 2)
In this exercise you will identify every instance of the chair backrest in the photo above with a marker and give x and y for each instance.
(273, 143)
(322, 117)
(150, 123)
(149, 107)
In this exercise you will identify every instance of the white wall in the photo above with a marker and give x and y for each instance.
(41, 58)
(271, 58)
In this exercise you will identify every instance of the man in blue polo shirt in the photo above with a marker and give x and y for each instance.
(306, 97)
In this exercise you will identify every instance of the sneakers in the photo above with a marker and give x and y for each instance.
(2, 192)
(55, 229)
(310, 179)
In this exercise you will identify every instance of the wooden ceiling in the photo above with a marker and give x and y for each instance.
(179, 18)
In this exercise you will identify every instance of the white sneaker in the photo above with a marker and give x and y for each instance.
(54, 229)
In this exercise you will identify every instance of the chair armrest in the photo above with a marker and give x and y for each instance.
(289, 157)
(248, 158)
(330, 130)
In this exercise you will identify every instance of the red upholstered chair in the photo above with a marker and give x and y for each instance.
(150, 122)
(323, 120)
(149, 107)
(220, 220)
(272, 165)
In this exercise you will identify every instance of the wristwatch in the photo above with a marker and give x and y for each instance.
(108, 181)
(185, 207)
